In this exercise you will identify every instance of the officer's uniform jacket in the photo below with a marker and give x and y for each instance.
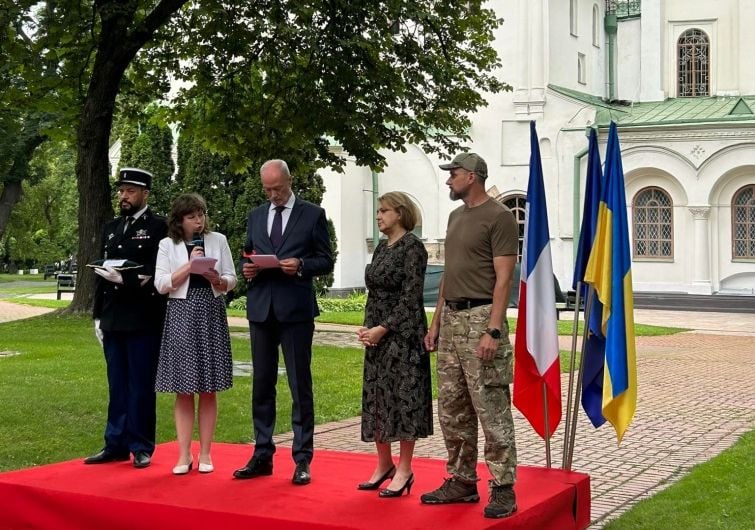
(131, 306)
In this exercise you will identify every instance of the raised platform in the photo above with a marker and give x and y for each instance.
(71, 495)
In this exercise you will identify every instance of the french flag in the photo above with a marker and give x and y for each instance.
(536, 368)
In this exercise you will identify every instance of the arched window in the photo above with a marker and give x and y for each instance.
(581, 69)
(596, 26)
(743, 223)
(573, 16)
(517, 205)
(653, 224)
(693, 53)
(417, 231)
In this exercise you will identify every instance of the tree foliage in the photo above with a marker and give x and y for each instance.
(258, 79)
(42, 228)
(230, 195)
(267, 77)
(149, 145)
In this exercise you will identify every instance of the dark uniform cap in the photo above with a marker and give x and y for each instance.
(132, 175)
(469, 161)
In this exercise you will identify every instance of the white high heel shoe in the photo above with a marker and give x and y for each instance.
(183, 469)
(206, 468)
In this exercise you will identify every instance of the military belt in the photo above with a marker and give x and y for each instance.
(467, 303)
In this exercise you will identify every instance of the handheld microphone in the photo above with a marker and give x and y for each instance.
(197, 240)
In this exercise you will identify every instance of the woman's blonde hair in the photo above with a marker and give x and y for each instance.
(407, 210)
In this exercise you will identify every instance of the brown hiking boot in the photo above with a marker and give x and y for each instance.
(502, 502)
(452, 490)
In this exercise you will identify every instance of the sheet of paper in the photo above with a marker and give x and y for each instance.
(265, 261)
(201, 264)
(113, 263)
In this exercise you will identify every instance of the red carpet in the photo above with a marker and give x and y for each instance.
(71, 495)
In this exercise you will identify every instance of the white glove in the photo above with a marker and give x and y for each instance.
(97, 331)
(110, 274)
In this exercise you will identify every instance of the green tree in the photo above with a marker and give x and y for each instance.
(149, 145)
(231, 195)
(42, 228)
(262, 79)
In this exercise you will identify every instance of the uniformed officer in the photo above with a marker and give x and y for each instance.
(129, 315)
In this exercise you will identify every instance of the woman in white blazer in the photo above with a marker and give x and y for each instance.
(195, 354)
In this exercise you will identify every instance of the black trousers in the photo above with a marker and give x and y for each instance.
(131, 358)
(295, 339)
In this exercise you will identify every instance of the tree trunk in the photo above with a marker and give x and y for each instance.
(93, 173)
(12, 192)
(115, 51)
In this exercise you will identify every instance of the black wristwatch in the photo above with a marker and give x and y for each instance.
(493, 332)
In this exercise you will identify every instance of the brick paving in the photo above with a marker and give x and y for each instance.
(696, 397)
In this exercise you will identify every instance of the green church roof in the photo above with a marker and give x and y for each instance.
(672, 111)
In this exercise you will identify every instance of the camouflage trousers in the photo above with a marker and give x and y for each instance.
(470, 389)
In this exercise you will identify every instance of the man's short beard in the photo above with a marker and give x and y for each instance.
(456, 195)
(132, 209)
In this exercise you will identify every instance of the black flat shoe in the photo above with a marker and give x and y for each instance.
(105, 456)
(375, 485)
(142, 459)
(256, 467)
(386, 493)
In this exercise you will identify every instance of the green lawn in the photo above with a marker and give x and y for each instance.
(7, 278)
(54, 394)
(719, 493)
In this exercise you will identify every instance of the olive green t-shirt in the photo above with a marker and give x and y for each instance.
(473, 237)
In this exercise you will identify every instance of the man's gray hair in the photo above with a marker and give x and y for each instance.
(280, 164)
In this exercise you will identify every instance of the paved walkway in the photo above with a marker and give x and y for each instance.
(696, 397)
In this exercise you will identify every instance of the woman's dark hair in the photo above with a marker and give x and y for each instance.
(183, 205)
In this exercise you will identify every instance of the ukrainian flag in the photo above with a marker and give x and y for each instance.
(609, 271)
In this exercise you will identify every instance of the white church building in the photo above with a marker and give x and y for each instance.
(676, 77)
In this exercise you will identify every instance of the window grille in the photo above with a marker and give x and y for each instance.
(653, 224)
(693, 52)
(517, 204)
(624, 8)
(743, 223)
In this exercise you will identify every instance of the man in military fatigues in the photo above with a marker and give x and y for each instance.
(129, 315)
(475, 361)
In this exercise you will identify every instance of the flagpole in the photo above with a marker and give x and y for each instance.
(578, 390)
(547, 429)
(572, 363)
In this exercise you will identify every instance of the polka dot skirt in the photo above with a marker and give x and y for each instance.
(195, 354)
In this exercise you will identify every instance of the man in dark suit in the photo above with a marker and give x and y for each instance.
(129, 315)
(281, 308)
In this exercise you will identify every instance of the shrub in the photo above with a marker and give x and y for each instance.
(354, 302)
(238, 303)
